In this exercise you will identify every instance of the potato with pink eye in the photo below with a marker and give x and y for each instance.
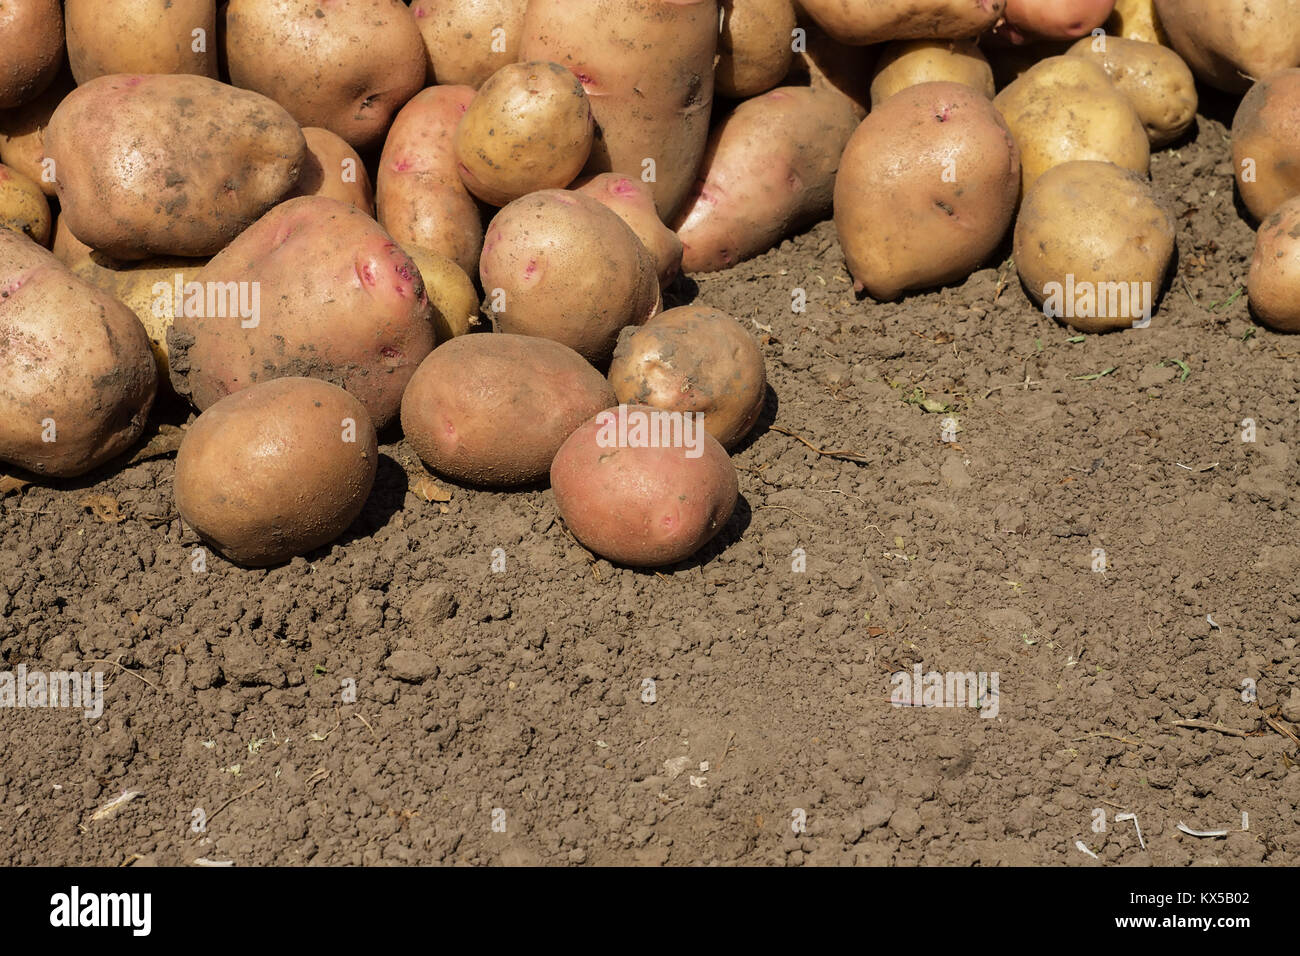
(332, 168)
(633, 202)
(529, 128)
(910, 62)
(693, 359)
(468, 40)
(643, 487)
(1274, 284)
(1230, 44)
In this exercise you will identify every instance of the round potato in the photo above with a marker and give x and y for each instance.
(926, 189)
(1093, 246)
(560, 265)
(859, 23)
(494, 409)
(1065, 108)
(1056, 19)
(332, 168)
(1266, 141)
(907, 63)
(529, 128)
(1230, 44)
(276, 470)
(22, 133)
(141, 36)
(468, 40)
(451, 293)
(633, 202)
(1274, 283)
(1155, 79)
(755, 46)
(23, 207)
(31, 49)
(643, 487)
(347, 65)
(693, 359)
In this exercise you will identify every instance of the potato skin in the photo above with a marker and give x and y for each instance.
(755, 47)
(633, 202)
(768, 171)
(1057, 19)
(23, 207)
(641, 506)
(926, 189)
(333, 169)
(458, 37)
(566, 268)
(860, 23)
(140, 36)
(217, 158)
(276, 470)
(347, 65)
(1230, 44)
(647, 67)
(1099, 223)
(494, 409)
(71, 353)
(693, 359)
(1155, 79)
(529, 128)
(830, 65)
(1137, 20)
(339, 300)
(1265, 142)
(452, 295)
(31, 48)
(907, 63)
(418, 191)
(1274, 283)
(22, 132)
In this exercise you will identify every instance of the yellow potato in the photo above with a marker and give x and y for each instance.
(468, 40)
(22, 133)
(1137, 20)
(450, 291)
(754, 46)
(23, 207)
(141, 36)
(1154, 78)
(862, 22)
(909, 62)
(1229, 43)
(1274, 283)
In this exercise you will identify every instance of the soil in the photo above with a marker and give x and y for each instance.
(564, 711)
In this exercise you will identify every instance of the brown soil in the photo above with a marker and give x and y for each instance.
(523, 690)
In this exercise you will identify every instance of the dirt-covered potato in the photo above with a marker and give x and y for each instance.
(180, 165)
(23, 207)
(31, 49)
(276, 470)
(862, 22)
(77, 375)
(1092, 246)
(419, 194)
(332, 168)
(822, 62)
(315, 287)
(346, 65)
(755, 46)
(1056, 19)
(693, 359)
(141, 36)
(1065, 108)
(769, 170)
(1266, 143)
(1230, 44)
(494, 409)
(451, 293)
(22, 133)
(926, 189)
(635, 205)
(562, 266)
(1274, 283)
(907, 63)
(529, 128)
(468, 40)
(1137, 20)
(1154, 78)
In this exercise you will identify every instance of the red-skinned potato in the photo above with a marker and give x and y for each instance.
(78, 375)
(23, 207)
(1230, 44)
(1266, 142)
(755, 46)
(643, 487)
(346, 65)
(181, 164)
(647, 67)
(419, 194)
(633, 202)
(562, 266)
(1055, 19)
(769, 170)
(468, 40)
(332, 168)
(323, 292)
(141, 36)
(31, 49)
(693, 359)
(926, 190)
(863, 22)
(494, 409)
(276, 470)
(1274, 283)
(22, 133)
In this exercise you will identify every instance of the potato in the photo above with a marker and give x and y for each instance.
(343, 303)
(769, 171)
(31, 49)
(633, 202)
(1155, 79)
(1265, 143)
(180, 166)
(141, 36)
(333, 169)
(1230, 44)
(418, 191)
(22, 133)
(907, 63)
(755, 47)
(560, 265)
(1274, 283)
(693, 359)
(23, 207)
(1065, 108)
(825, 63)
(926, 189)
(276, 470)
(643, 487)
(78, 378)
(647, 67)
(494, 409)
(529, 128)
(1092, 246)
(346, 65)
(860, 23)
(451, 293)
(1137, 20)
(468, 40)
(1057, 19)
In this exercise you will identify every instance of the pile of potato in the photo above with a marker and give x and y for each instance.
(317, 222)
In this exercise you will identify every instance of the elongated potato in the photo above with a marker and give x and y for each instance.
(1230, 44)
(907, 63)
(22, 133)
(1274, 283)
(860, 23)
(1266, 142)
(769, 170)
(31, 49)
(647, 67)
(141, 36)
(332, 168)
(755, 46)
(469, 40)
(23, 207)
(1154, 78)
(633, 202)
